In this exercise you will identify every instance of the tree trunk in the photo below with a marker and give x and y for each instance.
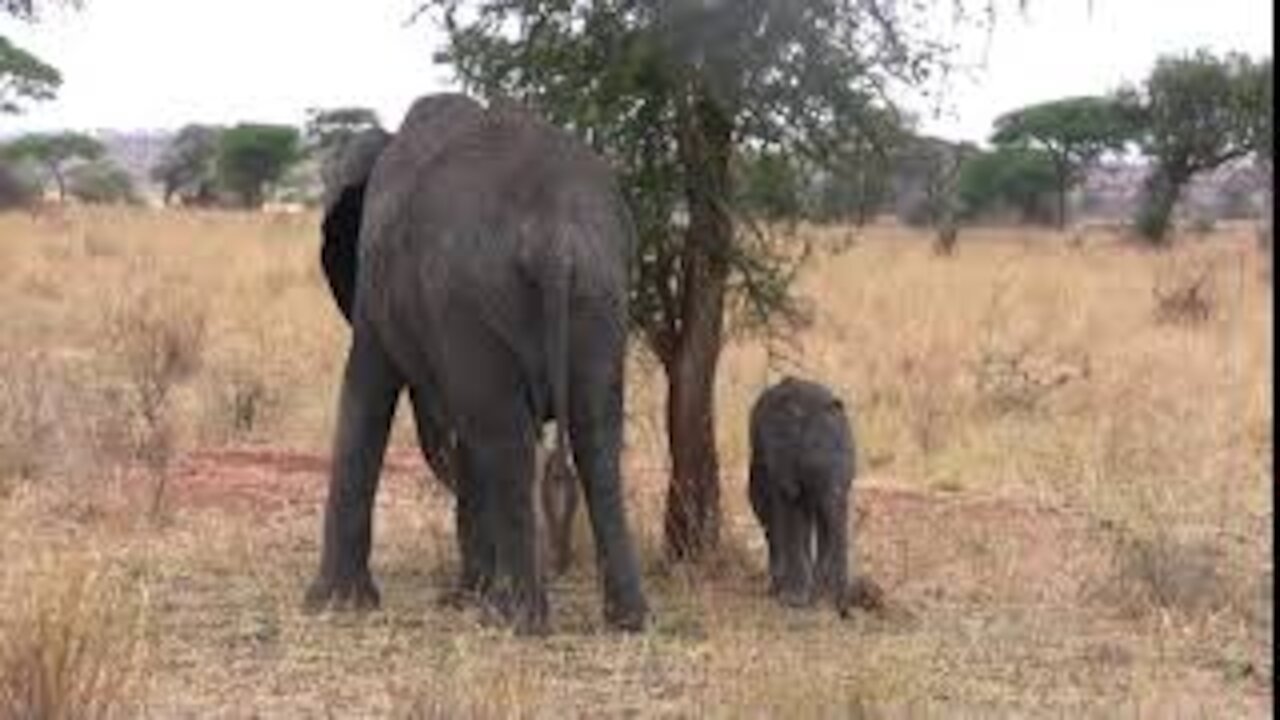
(60, 181)
(1159, 198)
(692, 525)
(1062, 205)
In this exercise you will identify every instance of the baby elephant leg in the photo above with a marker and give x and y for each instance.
(793, 529)
(833, 550)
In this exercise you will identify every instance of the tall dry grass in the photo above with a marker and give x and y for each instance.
(1024, 369)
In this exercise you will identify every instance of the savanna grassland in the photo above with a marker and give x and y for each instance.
(1065, 491)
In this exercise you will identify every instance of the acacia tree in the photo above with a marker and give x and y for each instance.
(669, 90)
(252, 156)
(24, 78)
(187, 168)
(1007, 178)
(1197, 112)
(54, 152)
(1073, 133)
(331, 127)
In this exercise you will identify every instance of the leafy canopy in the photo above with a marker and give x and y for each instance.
(1072, 133)
(640, 80)
(55, 149)
(330, 127)
(24, 78)
(187, 165)
(1017, 179)
(252, 156)
(1197, 112)
(101, 181)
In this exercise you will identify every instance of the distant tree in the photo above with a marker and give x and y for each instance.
(330, 127)
(328, 130)
(187, 167)
(1197, 112)
(101, 182)
(54, 152)
(17, 188)
(856, 183)
(251, 157)
(29, 10)
(24, 78)
(1073, 133)
(1024, 180)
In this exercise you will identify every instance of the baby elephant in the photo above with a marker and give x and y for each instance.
(802, 466)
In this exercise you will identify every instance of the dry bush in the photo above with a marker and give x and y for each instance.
(29, 415)
(1187, 299)
(1020, 380)
(53, 425)
(1160, 571)
(158, 337)
(68, 648)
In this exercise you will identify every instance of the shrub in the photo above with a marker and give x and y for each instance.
(101, 182)
(159, 340)
(67, 652)
(17, 188)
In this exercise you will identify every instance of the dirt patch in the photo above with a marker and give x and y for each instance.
(267, 480)
(929, 545)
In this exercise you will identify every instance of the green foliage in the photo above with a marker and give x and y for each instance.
(667, 91)
(332, 127)
(1008, 179)
(24, 77)
(926, 172)
(768, 186)
(17, 188)
(187, 168)
(53, 151)
(251, 157)
(1197, 112)
(1072, 133)
(101, 182)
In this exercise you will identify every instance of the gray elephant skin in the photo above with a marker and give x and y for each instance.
(345, 173)
(490, 253)
(801, 478)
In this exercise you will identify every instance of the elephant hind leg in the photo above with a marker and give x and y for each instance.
(370, 386)
(793, 528)
(503, 465)
(595, 429)
(833, 550)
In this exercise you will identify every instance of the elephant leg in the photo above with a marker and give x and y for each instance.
(595, 426)
(833, 550)
(793, 528)
(434, 437)
(370, 386)
(761, 502)
(475, 538)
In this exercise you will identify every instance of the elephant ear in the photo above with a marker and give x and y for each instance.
(346, 175)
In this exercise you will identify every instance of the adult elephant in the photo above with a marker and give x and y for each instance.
(491, 279)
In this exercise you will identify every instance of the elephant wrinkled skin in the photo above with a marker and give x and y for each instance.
(801, 476)
(491, 280)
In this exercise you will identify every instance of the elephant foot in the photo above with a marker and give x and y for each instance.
(353, 592)
(794, 597)
(631, 616)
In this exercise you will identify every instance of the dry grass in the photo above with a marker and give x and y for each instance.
(1068, 497)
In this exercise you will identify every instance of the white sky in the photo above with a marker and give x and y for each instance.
(132, 64)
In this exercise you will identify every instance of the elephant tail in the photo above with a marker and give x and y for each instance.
(556, 288)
